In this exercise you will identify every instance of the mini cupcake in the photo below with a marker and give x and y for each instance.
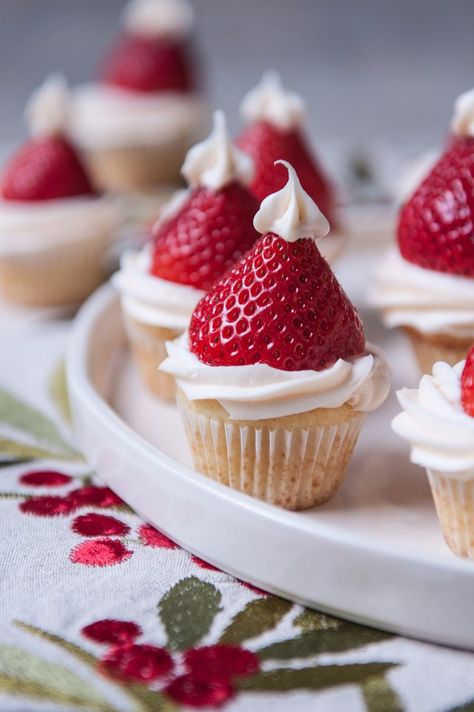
(275, 120)
(202, 233)
(275, 378)
(426, 287)
(438, 420)
(54, 226)
(137, 122)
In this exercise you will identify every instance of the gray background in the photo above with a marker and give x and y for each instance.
(372, 71)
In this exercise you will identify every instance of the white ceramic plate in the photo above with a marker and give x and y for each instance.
(374, 554)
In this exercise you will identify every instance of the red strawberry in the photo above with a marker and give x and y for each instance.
(210, 233)
(45, 169)
(467, 384)
(266, 144)
(148, 64)
(280, 305)
(436, 226)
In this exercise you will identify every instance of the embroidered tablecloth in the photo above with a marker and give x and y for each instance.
(101, 612)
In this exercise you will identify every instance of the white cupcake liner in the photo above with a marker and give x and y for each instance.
(294, 468)
(454, 501)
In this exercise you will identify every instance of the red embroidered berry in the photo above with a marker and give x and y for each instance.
(93, 524)
(222, 661)
(142, 663)
(45, 478)
(47, 506)
(94, 497)
(149, 536)
(281, 305)
(436, 225)
(467, 384)
(100, 552)
(45, 169)
(112, 631)
(204, 564)
(195, 691)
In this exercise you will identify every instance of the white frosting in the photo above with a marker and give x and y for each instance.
(462, 122)
(259, 391)
(155, 18)
(108, 117)
(47, 110)
(270, 101)
(430, 302)
(434, 422)
(30, 227)
(151, 300)
(291, 213)
(216, 161)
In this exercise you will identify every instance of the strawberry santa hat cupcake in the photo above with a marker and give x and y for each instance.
(137, 121)
(275, 120)
(438, 420)
(203, 231)
(275, 378)
(426, 287)
(54, 226)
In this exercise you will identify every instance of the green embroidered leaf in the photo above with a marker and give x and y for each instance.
(58, 391)
(380, 695)
(15, 495)
(23, 417)
(312, 620)
(187, 611)
(466, 707)
(72, 648)
(26, 675)
(314, 678)
(315, 642)
(17, 450)
(12, 462)
(148, 700)
(256, 618)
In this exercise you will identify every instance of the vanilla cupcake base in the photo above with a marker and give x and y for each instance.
(148, 345)
(62, 275)
(430, 348)
(295, 462)
(454, 502)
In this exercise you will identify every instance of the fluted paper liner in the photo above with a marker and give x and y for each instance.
(148, 345)
(291, 461)
(454, 501)
(430, 348)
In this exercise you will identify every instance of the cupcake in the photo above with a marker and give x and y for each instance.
(275, 131)
(54, 226)
(137, 121)
(275, 378)
(426, 286)
(438, 420)
(202, 233)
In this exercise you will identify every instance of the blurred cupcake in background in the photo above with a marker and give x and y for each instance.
(136, 123)
(202, 232)
(275, 130)
(426, 285)
(438, 421)
(55, 227)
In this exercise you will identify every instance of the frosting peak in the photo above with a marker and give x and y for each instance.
(155, 18)
(47, 110)
(463, 120)
(216, 161)
(291, 213)
(270, 101)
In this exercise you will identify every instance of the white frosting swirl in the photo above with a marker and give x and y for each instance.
(108, 117)
(30, 227)
(216, 161)
(270, 101)
(291, 213)
(430, 302)
(156, 18)
(47, 110)
(441, 433)
(259, 391)
(151, 300)
(462, 122)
